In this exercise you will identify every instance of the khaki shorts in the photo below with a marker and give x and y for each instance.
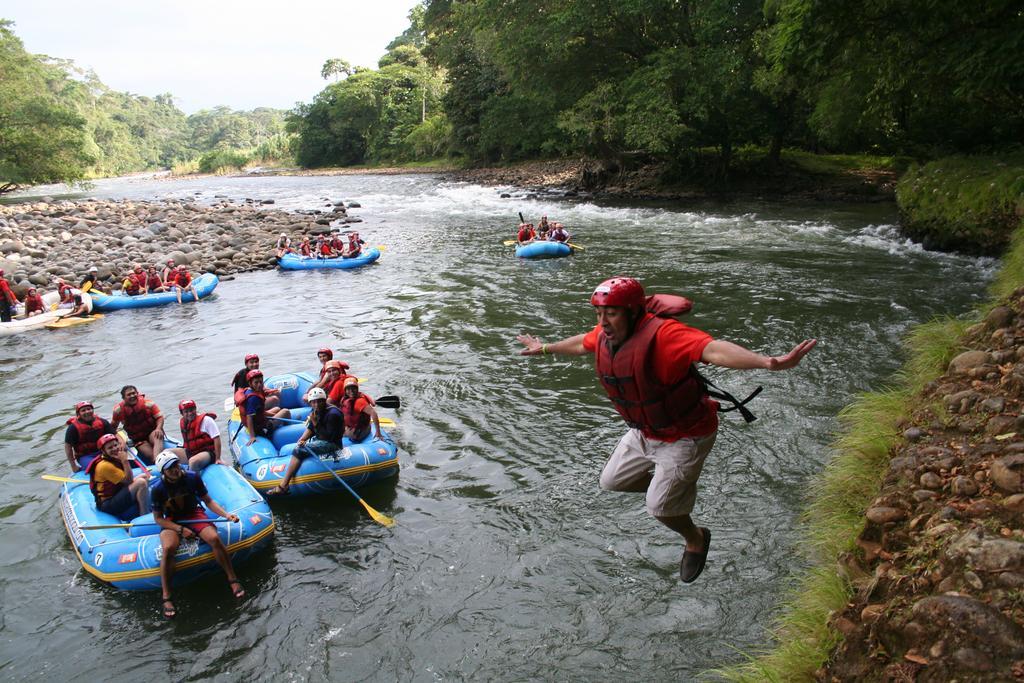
(677, 466)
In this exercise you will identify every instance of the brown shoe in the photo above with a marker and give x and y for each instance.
(692, 564)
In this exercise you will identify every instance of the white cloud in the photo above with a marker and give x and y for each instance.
(206, 53)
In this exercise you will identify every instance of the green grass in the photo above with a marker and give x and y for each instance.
(870, 428)
(830, 164)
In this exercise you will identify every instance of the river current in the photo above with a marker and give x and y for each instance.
(507, 561)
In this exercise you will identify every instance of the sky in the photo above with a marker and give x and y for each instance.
(242, 54)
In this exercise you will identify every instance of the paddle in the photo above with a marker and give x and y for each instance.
(66, 480)
(576, 246)
(509, 243)
(387, 422)
(377, 516)
(213, 520)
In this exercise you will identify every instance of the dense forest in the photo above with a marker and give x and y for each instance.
(60, 123)
(671, 80)
(684, 83)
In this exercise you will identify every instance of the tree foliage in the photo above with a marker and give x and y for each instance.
(42, 137)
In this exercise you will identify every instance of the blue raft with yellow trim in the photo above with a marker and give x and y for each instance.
(129, 558)
(263, 463)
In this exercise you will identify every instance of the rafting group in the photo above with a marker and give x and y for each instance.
(337, 250)
(553, 231)
(545, 241)
(144, 488)
(173, 278)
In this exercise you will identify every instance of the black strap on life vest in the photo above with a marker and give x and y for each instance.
(723, 395)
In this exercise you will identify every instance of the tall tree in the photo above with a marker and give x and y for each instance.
(42, 139)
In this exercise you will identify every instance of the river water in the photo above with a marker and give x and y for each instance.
(507, 562)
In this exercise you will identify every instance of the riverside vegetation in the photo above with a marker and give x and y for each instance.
(915, 531)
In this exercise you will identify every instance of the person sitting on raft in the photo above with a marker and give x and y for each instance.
(325, 427)
(89, 281)
(337, 244)
(169, 274)
(116, 489)
(176, 496)
(335, 384)
(68, 299)
(558, 233)
(526, 233)
(200, 437)
(240, 384)
(33, 303)
(357, 409)
(325, 356)
(304, 248)
(134, 283)
(184, 282)
(142, 420)
(256, 416)
(153, 281)
(323, 248)
(81, 439)
(354, 247)
(284, 245)
(8, 300)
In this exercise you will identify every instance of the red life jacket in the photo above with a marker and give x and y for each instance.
(353, 247)
(629, 378)
(64, 291)
(526, 234)
(102, 490)
(34, 303)
(88, 435)
(184, 279)
(153, 281)
(260, 418)
(304, 249)
(139, 421)
(240, 396)
(352, 410)
(170, 275)
(135, 283)
(7, 293)
(196, 441)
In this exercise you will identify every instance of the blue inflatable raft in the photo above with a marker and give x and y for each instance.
(129, 558)
(543, 249)
(204, 284)
(296, 262)
(263, 464)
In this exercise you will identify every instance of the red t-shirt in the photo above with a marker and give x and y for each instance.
(337, 390)
(676, 348)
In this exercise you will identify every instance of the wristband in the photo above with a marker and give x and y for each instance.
(543, 349)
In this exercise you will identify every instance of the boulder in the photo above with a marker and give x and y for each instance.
(1005, 472)
(968, 360)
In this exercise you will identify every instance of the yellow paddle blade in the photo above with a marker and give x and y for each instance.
(382, 247)
(54, 477)
(509, 243)
(377, 516)
(576, 246)
(388, 422)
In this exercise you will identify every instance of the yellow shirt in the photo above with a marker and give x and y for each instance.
(108, 478)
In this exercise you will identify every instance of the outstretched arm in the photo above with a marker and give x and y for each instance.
(573, 346)
(728, 355)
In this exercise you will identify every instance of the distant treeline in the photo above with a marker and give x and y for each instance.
(667, 80)
(59, 123)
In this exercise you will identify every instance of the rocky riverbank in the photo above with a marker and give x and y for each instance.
(43, 240)
(589, 178)
(939, 574)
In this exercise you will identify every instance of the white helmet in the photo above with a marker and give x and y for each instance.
(316, 394)
(166, 458)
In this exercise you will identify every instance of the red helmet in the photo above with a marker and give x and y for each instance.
(330, 354)
(82, 404)
(252, 374)
(619, 291)
(186, 404)
(105, 439)
(251, 356)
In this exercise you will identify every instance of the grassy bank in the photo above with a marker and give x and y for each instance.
(971, 204)
(872, 425)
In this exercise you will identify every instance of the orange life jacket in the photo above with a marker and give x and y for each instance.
(139, 421)
(88, 435)
(196, 440)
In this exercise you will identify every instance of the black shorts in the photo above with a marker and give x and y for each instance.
(121, 505)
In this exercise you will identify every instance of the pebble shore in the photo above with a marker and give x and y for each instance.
(40, 241)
